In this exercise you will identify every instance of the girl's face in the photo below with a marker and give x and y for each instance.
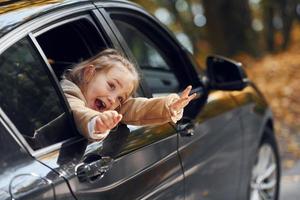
(108, 89)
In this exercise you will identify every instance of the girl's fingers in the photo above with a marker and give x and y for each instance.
(100, 126)
(178, 104)
(118, 118)
(112, 118)
(113, 115)
(183, 101)
(190, 98)
(100, 136)
(107, 119)
(187, 100)
(186, 91)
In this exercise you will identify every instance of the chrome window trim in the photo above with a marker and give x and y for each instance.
(15, 132)
(4, 120)
(124, 4)
(52, 148)
(56, 87)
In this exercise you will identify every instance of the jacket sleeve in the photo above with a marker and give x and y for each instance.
(143, 111)
(81, 114)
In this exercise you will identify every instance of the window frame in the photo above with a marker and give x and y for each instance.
(31, 30)
(188, 68)
(18, 135)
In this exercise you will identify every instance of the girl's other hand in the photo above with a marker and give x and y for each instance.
(107, 121)
(184, 100)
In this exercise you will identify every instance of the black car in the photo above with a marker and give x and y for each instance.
(223, 148)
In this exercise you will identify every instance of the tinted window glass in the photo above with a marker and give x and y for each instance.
(145, 52)
(153, 62)
(27, 96)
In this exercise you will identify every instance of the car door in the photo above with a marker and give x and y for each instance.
(210, 135)
(133, 162)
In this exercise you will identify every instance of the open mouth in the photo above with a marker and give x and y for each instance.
(100, 105)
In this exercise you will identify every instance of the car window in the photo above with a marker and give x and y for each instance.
(71, 43)
(156, 65)
(28, 97)
(146, 53)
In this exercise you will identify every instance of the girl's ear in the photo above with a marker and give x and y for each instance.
(88, 73)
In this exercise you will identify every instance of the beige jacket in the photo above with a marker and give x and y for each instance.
(135, 111)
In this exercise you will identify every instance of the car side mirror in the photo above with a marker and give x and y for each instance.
(225, 74)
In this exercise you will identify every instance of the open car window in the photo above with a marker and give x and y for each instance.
(28, 96)
(70, 43)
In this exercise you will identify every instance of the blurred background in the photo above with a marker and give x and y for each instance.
(262, 34)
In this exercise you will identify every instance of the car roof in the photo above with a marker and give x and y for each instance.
(15, 13)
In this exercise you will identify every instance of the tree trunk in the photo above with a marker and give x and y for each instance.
(268, 9)
(288, 8)
(229, 26)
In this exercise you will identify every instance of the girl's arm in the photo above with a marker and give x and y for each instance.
(143, 111)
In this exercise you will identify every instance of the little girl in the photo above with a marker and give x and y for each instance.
(99, 91)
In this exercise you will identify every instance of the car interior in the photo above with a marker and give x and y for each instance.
(66, 45)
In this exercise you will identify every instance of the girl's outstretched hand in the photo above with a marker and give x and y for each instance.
(184, 100)
(107, 121)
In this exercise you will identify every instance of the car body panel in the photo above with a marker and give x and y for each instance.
(23, 177)
(255, 116)
(217, 141)
(150, 172)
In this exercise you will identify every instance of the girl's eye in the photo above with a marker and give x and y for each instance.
(112, 86)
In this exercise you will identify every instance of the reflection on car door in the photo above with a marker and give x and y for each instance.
(145, 165)
(212, 157)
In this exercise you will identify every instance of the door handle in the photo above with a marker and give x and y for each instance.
(93, 171)
(186, 129)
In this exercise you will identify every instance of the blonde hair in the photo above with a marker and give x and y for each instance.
(104, 60)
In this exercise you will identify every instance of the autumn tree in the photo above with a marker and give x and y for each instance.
(278, 17)
(229, 26)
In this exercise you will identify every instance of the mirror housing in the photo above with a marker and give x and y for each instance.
(225, 74)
